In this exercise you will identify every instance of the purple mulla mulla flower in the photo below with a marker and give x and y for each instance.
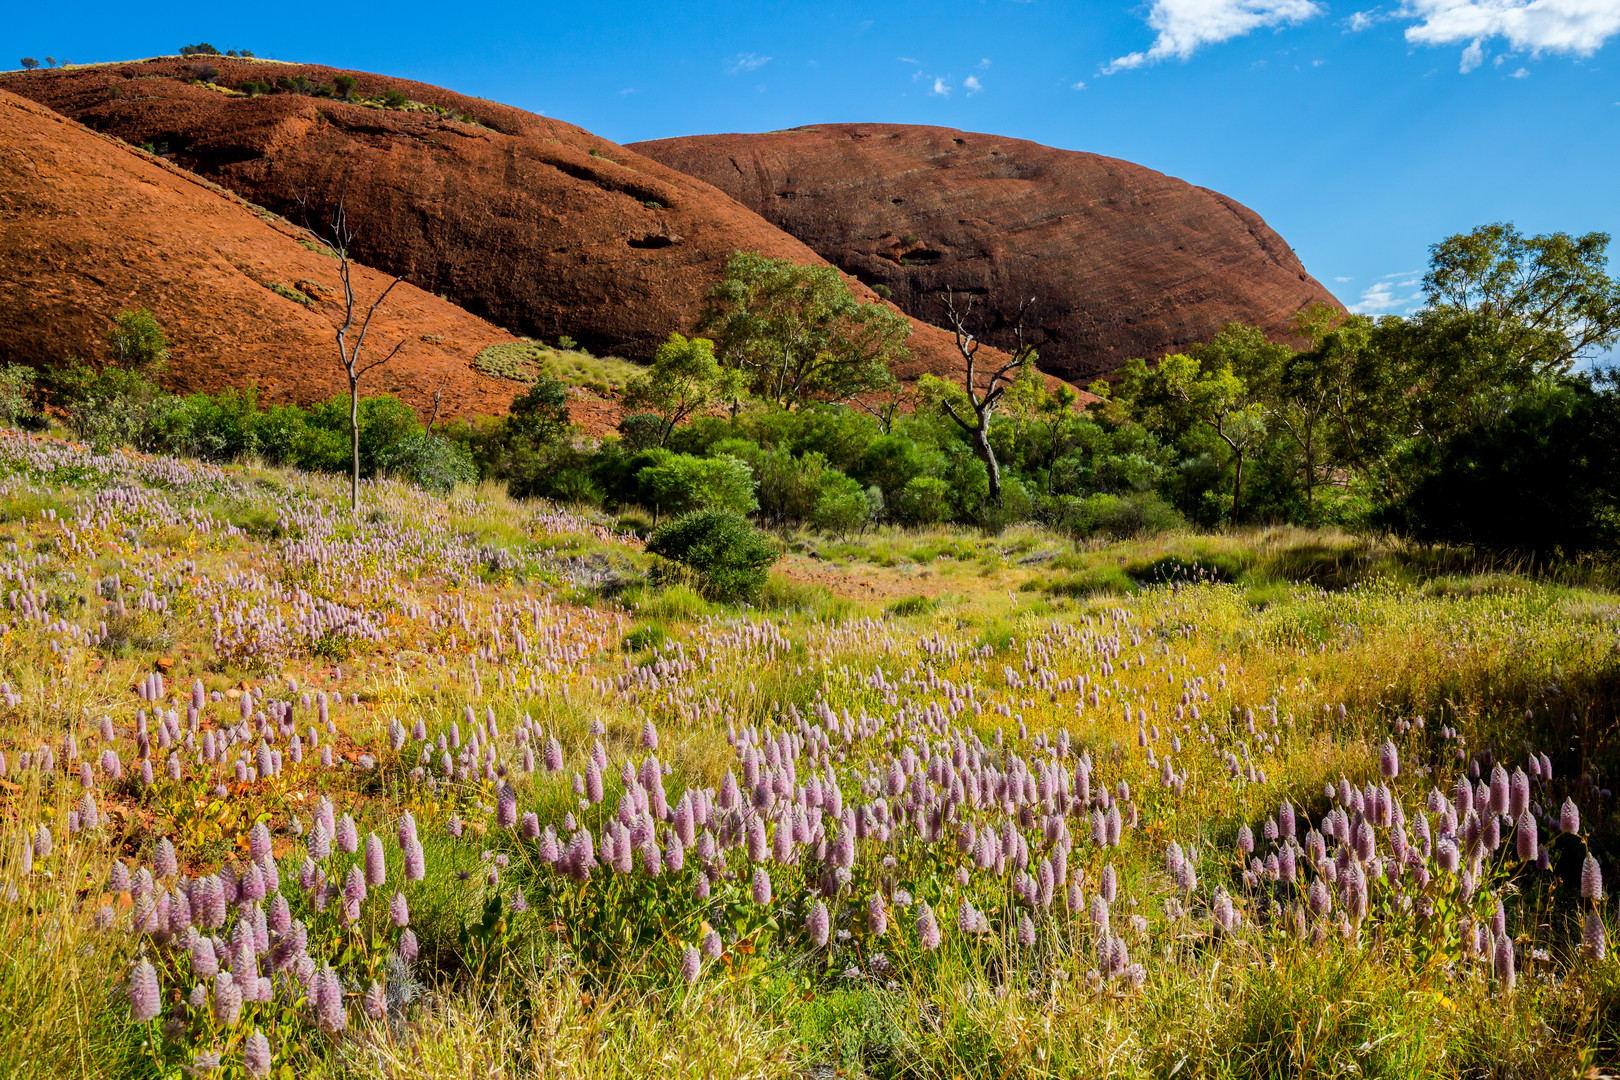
(375, 1001)
(1223, 910)
(1389, 760)
(649, 735)
(376, 866)
(280, 919)
(1026, 930)
(227, 999)
(204, 962)
(326, 995)
(1594, 937)
(145, 1000)
(319, 842)
(407, 946)
(1591, 879)
(1108, 883)
(1499, 790)
(1569, 817)
(354, 885)
(256, 1055)
(818, 923)
(1518, 793)
(259, 841)
(593, 782)
(712, 947)
(1502, 961)
(927, 927)
(164, 863)
(1099, 913)
(398, 911)
(762, 886)
(347, 836)
(691, 964)
(506, 810)
(1319, 899)
(877, 916)
(415, 861)
(1527, 840)
(1245, 840)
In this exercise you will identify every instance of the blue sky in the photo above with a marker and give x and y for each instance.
(1362, 134)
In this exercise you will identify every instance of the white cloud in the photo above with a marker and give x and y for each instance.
(972, 85)
(1081, 85)
(941, 88)
(984, 64)
(1362, 20)
(1185, 26)
(1578, 27)
(1522, 73)
(1472, 57)
(1389, 296)
(1342, 280)
(908, 60)
(747, 62)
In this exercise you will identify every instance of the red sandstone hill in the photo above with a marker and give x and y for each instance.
(89, 225)
(529, 222)
(1124, 261)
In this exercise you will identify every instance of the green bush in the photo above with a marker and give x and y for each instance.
(430, 461)
(641, 430)
(925, 500)
(842, 505)
(731, 558)
(137, 342)
(681, 482)
(17, 395)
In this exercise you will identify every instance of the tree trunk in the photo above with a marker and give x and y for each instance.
(1237, 486)
(987, 454)
(354, 445)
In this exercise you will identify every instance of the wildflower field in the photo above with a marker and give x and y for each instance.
(452, 787)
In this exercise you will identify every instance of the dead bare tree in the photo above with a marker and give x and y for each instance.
(984, 404)
(338, 239)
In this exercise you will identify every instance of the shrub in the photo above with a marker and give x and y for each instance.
(430, 461)
(114, 408)
(17, 395)
(731, 558)
(137, 342)
(203, 49)
(29, 63)
(681, 482)
(343, 85)
(205, 73)
(641, 431)
(842, 505)
(393, 99)
(925, 500)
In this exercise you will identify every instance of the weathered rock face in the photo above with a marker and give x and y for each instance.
(530, 223)
(89, 226)
(1123, 261)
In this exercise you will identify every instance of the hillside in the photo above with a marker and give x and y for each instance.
(529, 222)
(89, 226)
(1124, 261)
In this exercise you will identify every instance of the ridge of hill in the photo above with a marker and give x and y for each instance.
(89, 226)
(1124, 261)
(530, 222)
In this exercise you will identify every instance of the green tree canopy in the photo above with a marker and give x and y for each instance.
(798, 334)
(685, 378)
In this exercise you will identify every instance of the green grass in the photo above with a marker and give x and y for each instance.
(584, 983)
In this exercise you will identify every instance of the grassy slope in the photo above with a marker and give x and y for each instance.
(583, 983)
